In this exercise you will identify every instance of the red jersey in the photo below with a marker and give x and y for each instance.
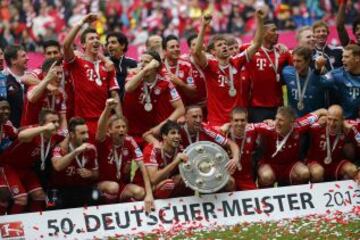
(183, 71)
(158, 158)
(356, 140)
(266, 87)
(248, 146)
(206, 133)
(26, 154)
(199, 80)
(162, 92)
(8, 134)
(37, 73)
(69, 176)
(116, 166)
(218, 78)
(318, 146)
(92, 83)
(32, 110)
(289, 152)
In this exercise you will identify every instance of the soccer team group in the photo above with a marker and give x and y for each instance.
(72, 129)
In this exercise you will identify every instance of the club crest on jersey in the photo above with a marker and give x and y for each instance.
(157, 91)
(357, 137)
(125, 152)
(219, 139)
(190, 81)
(296, 136)
(138, 152)
(174, 93)
(35, 152)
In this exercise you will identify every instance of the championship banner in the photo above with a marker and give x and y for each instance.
(208, 210)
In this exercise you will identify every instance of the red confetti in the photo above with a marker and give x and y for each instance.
(350, 187)
(36, 228)
(108, 221)
(258, 210)
(220, 209)
(181, 200)
(311, 185)
(133, 229)
(199, 218)
(337, 185)
(232, 193)
(85, 206)
(162, 213)
(331, 190)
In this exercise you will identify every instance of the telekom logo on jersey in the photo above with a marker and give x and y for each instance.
(261, 63)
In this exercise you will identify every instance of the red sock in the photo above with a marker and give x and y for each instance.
(16, 209)
(37, 205)
(164, 189)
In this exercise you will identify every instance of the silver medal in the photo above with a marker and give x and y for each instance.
(148, 107)
(327, 160)
(232, 92)
(300, 106)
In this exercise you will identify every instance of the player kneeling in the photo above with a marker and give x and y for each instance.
(76, 169)
(326, 159)
(116, 151)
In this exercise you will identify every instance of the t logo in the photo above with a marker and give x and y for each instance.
(261, 63)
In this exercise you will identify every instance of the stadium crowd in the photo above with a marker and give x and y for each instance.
(88, 128)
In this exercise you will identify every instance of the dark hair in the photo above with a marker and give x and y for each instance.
(121, 38)
(11, 52)
(86, 32)
(354, 48)
(43, 114)
(153, 54)
(48, 63)
(51, 43)
(191, 38)
(355, 23)
(304, 52)
(168, 39)
(214, 39)
(287, 111)
(238, 110)
(74, 122)
(168, 126)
